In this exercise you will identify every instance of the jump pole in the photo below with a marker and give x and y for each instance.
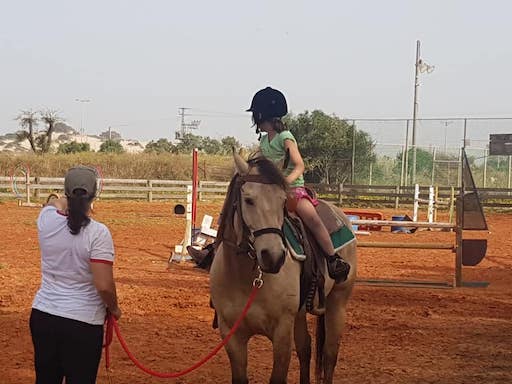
(195, 185)
(180, 250)
(453, 247)
(418, 200)
(25, 170)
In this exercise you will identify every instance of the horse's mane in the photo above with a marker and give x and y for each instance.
(268, 171)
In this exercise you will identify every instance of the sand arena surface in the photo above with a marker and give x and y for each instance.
(393, 335)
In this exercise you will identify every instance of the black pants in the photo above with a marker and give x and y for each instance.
(65, 348)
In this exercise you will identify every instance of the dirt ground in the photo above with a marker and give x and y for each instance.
(393, 335)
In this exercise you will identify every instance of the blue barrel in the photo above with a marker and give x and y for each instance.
(399, 229)
(355, 227)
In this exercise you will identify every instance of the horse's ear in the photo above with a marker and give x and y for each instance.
(241, 165)
(255, 154)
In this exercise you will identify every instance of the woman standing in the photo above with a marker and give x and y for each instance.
(77, 285)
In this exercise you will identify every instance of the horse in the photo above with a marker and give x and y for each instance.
(251, 240)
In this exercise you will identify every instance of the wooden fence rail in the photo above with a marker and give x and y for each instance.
(346, 195)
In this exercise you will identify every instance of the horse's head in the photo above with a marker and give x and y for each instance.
(262, 204)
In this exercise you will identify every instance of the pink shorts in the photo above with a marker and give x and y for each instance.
(301, 193)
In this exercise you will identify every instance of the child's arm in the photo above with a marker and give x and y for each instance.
(296, 160)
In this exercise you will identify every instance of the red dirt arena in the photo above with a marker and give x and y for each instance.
(393, 335)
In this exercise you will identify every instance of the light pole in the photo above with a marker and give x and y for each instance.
(82, 127)
(420, 67)
(446, 124)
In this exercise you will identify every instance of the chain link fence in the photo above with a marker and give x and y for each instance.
(428, 152)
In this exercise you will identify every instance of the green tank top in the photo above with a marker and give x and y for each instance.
(275, 151)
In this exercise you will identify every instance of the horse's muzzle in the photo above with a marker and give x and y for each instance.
(268, 261)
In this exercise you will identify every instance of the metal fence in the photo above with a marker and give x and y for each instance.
(437, 143)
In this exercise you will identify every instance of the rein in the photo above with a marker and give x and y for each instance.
(112, 325)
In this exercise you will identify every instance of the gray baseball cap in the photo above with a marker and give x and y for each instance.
(80, 177)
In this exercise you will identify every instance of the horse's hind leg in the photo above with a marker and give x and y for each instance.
(237, 353)
(303, 346)
(282, 347)
(335, 317)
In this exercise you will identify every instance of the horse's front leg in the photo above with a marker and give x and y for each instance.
(282, 348)
(303, 346)
(236, 349)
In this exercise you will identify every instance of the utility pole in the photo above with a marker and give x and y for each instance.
(82, 126)
(446, 124)
(415, 111)
(419, 67)
(185, 127)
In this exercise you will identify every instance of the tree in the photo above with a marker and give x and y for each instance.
(159, 146)
(111, 146)
(227, 144)
(73, 147)
(424, 162)
(28, 120)
(188, 142)
(110, 135)
(211, 146)
(50, 117)
(326, 145)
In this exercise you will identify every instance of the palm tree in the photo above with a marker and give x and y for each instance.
(28, 120)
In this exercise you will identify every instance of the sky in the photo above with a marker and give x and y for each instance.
(139, 61)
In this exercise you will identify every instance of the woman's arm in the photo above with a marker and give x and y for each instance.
(103, 278)
(296, 159)
(61, 204)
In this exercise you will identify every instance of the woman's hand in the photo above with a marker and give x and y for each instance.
(116, 312)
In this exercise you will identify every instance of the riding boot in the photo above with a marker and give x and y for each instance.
(338, 268)
(202, 257)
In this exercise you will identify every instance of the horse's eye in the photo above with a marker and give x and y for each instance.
(249, 201)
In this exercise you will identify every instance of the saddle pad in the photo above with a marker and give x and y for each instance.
(292, 240)
(341, 236)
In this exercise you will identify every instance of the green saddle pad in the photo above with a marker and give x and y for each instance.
(340, 238)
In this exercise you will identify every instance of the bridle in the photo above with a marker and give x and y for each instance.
(249, 236)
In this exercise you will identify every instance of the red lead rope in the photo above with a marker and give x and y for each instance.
(111, 324)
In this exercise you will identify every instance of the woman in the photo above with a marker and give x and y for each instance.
(77, 285)
(268, 106)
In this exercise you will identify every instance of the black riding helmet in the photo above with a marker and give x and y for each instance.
(268, 103)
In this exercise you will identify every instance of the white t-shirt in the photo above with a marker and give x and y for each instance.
(67, 287)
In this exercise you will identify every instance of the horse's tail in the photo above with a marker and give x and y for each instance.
(320, 342)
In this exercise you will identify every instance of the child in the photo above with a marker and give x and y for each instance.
(268, 107)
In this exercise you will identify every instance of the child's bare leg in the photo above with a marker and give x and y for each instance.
(338, 269)
(307, 213)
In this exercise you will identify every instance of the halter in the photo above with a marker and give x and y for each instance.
(249, 236)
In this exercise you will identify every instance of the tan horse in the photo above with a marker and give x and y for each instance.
(251, 237)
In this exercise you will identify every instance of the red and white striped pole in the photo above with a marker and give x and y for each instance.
(195, 186)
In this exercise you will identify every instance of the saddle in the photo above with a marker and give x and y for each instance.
(304, 248)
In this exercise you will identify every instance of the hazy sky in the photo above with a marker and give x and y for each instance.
(138, 61)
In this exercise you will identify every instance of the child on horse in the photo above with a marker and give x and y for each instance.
(268, 106)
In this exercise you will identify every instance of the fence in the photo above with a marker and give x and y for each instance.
(344, 194)
(438, 143)
(133, 189)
